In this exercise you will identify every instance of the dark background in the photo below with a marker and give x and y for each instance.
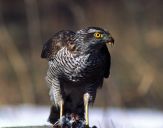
(137, 63)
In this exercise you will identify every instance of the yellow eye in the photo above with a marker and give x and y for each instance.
(98, 35)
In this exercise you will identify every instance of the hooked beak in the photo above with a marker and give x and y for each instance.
(110, 41)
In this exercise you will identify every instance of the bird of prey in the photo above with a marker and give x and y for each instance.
(78, 63)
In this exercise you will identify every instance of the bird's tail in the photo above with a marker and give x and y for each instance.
(54, 114)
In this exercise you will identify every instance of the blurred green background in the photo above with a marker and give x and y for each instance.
(137, 63)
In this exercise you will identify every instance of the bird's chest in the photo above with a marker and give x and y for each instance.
(82, 68)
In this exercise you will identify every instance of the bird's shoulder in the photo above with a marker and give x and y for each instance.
(64, 38)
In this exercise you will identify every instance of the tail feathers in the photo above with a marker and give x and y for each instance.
(54, 114)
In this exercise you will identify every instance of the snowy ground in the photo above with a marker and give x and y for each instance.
(26, 115)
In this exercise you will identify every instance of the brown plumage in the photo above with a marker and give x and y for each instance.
(59, 40)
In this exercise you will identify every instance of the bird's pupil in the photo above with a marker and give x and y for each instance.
(97, 35)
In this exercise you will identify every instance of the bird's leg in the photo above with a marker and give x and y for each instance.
(61, 109)
(56, 98)
(86, 105)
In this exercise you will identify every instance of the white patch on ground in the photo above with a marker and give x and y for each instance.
(28, 115)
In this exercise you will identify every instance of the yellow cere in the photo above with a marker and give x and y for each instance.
(98, 35)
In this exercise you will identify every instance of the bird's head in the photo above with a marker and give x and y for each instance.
(93, 38)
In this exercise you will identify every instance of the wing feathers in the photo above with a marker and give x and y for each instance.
(56, 42)
(107, 61)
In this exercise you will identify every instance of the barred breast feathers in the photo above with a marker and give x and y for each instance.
(69, 64)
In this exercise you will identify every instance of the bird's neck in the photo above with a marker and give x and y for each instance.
(88, 52)
(85, 49)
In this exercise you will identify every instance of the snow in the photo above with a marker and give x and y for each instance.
(28, 115)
